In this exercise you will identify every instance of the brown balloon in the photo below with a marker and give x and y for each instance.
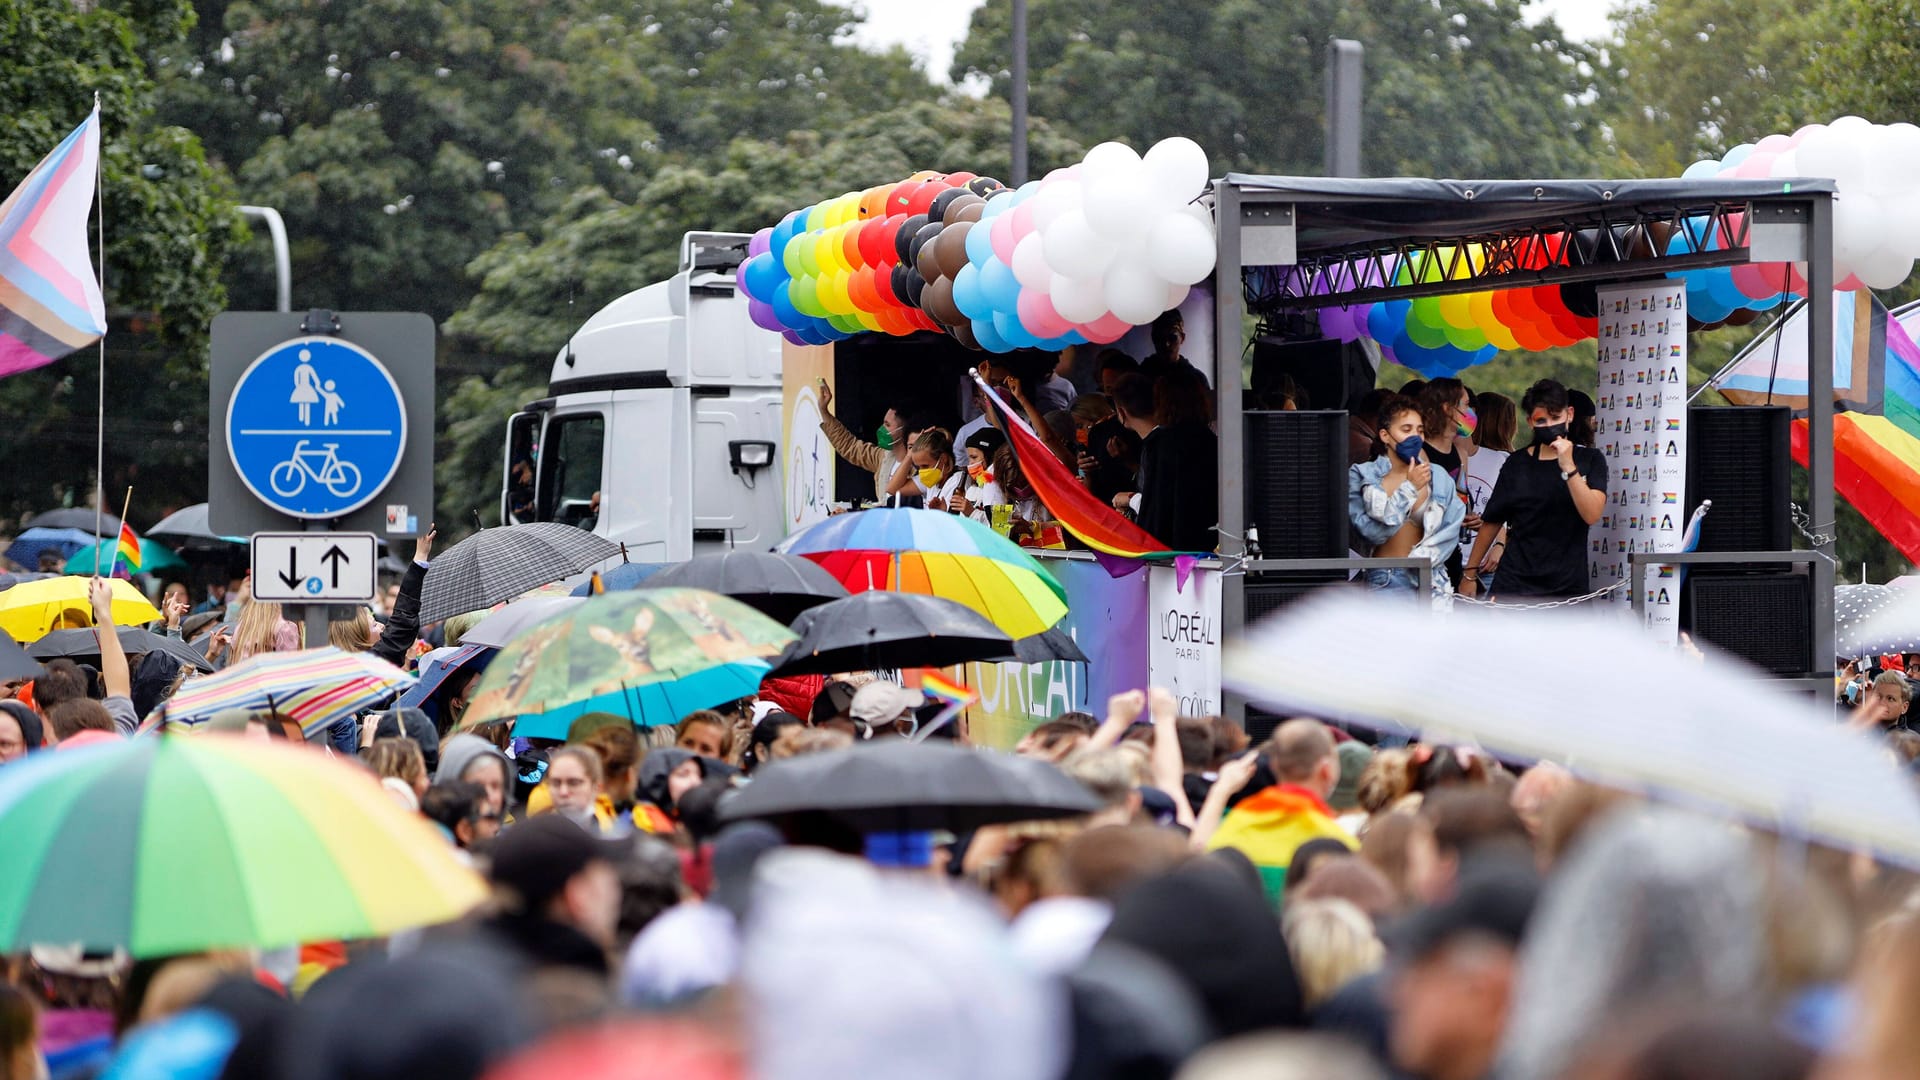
(937, 300)
(950, 248)
(1742, 316)
(926, 262)
(962, 332)
(966, 214)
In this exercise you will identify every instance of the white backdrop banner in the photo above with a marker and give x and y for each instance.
(1641, 426)
(1183, 654)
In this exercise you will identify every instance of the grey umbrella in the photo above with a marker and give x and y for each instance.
(75, 517)
(1052, 643)
(895, 785)
(878, 630)
(80, 644)
(497, 629)
(1874, 620)
(14, 661)
(779, 586)
(187, 528)
(495, 565)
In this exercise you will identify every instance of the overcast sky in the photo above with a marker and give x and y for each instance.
(930, 30)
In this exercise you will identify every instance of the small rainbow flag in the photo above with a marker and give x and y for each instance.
(129, 547)
(50, 301)
(935, 685)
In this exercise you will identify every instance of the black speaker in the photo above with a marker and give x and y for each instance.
(1329, 374)
(1296, 477)
(1267, 593)
(1738, 456)
(1763, 618)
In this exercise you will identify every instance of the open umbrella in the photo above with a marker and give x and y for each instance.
(779, 586)
(1874, 620)
(187, 527)
(653, 655)
(495, 565)
(878, 630)
(517, 618)
(627, 575)
(176, 845)
(155, 558)
(76, 517)
(436, 667)
(26, 547)
(1706, 733)
(14, 661)
(898, 786)
(312, 687)
(84, 644)
(936, 554)
(29, 610)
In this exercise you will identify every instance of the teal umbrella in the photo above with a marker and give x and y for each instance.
(155, 558)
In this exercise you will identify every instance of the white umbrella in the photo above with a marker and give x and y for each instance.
(501, 627)
(1596, 694)
(1874, 620)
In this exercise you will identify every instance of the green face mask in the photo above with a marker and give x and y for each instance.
(883, 438)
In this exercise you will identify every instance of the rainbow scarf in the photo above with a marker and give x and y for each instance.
(1270, 825)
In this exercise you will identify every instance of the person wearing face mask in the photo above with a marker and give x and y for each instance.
(1448, 420)
(929, 474)
(1400, 505)
(1548, 496)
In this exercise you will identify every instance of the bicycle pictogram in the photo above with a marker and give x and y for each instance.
(340, 477)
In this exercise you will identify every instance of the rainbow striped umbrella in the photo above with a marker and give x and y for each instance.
(313, 687)
(936, 554)
(170, 845)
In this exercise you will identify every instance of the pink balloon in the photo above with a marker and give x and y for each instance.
(1107, 329)
(1773, 144)
(1001, 233)
(1758, 166)
(1022, 220)
(1849, 284)
(1795, 139)
(1757, 281)
(1797, 279)
(1038, 316)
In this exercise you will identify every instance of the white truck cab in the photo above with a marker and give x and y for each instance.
(661, 419)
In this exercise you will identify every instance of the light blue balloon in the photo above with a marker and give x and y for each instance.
(989, 337)
(1000, 288)
(997, 203)
(1736, 155)
(967, 295)
(1702, 169)
(1014, 334)
(979, 247)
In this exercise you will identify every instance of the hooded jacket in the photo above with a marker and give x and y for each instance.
(31, 729)
(655, 769)
(463, 750)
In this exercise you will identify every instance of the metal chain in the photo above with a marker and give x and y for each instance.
(1569, 602)
(1806, 527)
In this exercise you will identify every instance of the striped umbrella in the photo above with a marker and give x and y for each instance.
(172, 845)
(313, 687)
(936, 554)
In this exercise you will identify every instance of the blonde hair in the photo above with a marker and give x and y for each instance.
(255, 631)
(1332, 942)
(589, 759)
(398, 758)
(1109, 772)
(707, 716)
(354, 634)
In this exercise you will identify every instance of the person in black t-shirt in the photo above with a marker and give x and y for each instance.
(1547, 496)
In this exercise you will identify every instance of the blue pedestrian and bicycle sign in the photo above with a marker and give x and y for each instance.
(316, 427)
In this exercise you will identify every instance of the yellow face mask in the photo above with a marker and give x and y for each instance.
(931, 476)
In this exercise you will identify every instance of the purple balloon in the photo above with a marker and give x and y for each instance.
(762, 241)
(1335, 323)
(793, 336)
(763, 315)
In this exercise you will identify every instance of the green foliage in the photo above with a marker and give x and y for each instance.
(169, 225)
(1869, 63)
(1454, 88)
(468, 466)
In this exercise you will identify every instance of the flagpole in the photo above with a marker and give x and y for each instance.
(100, 408)
(115, 565)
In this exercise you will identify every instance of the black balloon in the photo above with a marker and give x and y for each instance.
(938, 211)
(916, 285)
(984, 186)
(922, 238)
(1582, 299)
(901, 271)
(908, 229)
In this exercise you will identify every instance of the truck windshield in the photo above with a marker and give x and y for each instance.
(570, 470)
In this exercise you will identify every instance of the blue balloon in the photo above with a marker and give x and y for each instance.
(761, 276)
(1055, 344)
(784, 232)
(1014, 334)
(789, 316)
(989, 337)
(1736, 155)
(1387, 322)
(967, 295)
(997, 203)
(979, 245)
(1702, 305)
(998, 285)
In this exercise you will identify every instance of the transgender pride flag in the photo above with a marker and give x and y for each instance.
(49, 299)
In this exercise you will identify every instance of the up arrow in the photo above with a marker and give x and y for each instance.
(335, 556)
(291, 576)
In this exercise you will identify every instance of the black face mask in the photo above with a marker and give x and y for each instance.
(1544, 435)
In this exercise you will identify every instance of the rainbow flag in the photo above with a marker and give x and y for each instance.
(128, 550)
(50, 301)
(1270, 825)
(938, 686)
(1097, 524)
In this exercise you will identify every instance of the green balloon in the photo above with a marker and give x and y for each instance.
(1466, 338)
(790, 258)
(805, 294)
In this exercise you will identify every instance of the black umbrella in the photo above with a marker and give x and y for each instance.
(1052, 643)
(779, 586)
(188, 528)
(14, 661)
(495, 565)
(75, 517)
(80, 644)
(878, 629)
(896, 785)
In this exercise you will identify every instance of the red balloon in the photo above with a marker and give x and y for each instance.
(922, 200)
(958, 179)
(903, 196)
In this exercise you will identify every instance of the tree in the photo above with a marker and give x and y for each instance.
(169, 224)
(1455, 88)
(1691, 79)
(1869, 61)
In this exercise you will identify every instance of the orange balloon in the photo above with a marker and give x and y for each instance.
(850, 244)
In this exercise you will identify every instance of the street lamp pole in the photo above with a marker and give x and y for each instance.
(1019, 94)
(282, 260)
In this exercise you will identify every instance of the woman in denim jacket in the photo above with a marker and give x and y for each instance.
(1400, 505)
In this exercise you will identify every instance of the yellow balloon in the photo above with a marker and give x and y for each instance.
(827, 253)
(867, 320)
(1488, 323)
(1456, 311)
(837, 285)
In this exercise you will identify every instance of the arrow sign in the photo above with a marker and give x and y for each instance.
(320, 568)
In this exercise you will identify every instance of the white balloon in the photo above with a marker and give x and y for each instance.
(1073, 247)
(1786, 165)
(1180, 249)
(1107, 158)
(1884, 269)
(1030, 263)
(1856, 230)
(1900, 225)
(1849, 125)
(1116, 202)
(1135, 293)
(1054, 200)
(1834, 155)
(1078, 299)
(1177, 296)
(1177, 168)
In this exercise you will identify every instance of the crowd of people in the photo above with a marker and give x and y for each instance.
(1136, 434)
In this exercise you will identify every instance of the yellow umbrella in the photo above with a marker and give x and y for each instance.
(31, 608)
